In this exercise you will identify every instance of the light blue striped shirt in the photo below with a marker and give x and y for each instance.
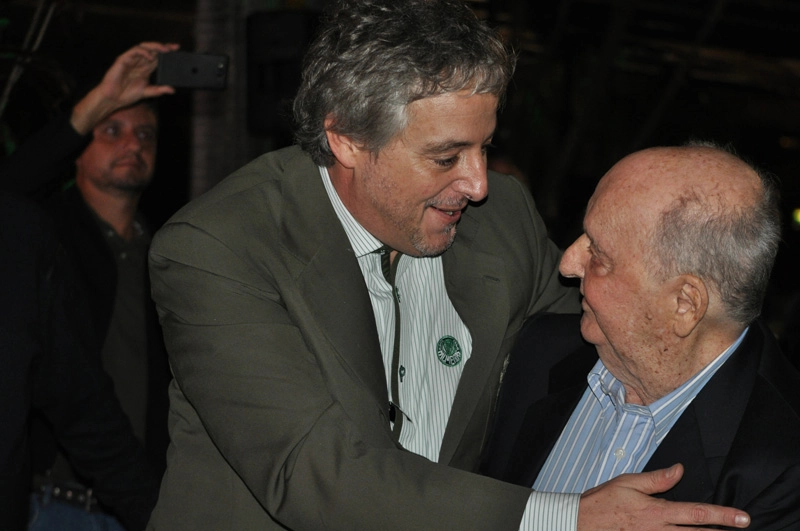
(606, 437)
(428, 385)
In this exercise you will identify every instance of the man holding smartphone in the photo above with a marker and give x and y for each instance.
(108, 143)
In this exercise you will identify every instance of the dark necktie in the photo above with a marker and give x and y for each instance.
(389, 269)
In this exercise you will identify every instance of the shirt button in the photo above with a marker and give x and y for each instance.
(619, 453)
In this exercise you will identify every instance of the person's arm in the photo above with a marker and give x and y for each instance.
(48, 153)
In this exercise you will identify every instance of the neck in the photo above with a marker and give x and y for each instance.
(681, 362)
(116, 209)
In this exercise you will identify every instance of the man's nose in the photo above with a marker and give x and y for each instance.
(573, 260)
(133, 142)
(473, 181)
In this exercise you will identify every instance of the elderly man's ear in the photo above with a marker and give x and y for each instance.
(691, 304)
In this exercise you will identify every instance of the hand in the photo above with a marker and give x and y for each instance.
(126, 82)
(624, 503)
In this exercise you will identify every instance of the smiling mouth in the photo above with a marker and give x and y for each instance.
(452, 215)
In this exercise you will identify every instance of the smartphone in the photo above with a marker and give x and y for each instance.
(192, 70)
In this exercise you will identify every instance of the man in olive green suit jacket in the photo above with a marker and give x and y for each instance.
(280, 409)
(279, 400)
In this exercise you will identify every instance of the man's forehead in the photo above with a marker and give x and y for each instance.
(448, 121)
(136, 115)
(614, 214)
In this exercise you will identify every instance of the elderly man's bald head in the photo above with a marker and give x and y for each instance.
(674, 262)
(701, 209)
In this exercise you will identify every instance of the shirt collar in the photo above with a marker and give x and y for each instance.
(665, 411)
(362, 241)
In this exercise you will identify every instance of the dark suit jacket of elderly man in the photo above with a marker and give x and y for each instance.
(279, 401)
(739, 439)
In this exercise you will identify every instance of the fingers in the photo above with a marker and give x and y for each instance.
(653, 482)
(124, 83)
(678, 513)
(701, 514)
(152, 49)
(142, 55)
(159, 47)
(625, 503)
(154, 91)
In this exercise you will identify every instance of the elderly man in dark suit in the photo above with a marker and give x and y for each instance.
(336, 348)
(674, 261)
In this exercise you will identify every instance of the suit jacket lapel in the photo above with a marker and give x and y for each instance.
(476, 285)
(547, 417)
(684, 444)
(328, 279)
(542, 427)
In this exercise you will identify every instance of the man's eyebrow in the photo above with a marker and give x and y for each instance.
(599, 254)
(593, 244)
(448, 145)
(441, 147)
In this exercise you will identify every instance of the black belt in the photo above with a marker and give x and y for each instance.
(71, 493)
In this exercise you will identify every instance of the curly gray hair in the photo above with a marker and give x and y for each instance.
(374, 57)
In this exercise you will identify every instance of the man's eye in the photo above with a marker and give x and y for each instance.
(111, 130)
(448, 162)
(597, 265)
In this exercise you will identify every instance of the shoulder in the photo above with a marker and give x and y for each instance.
(247, 185)
(778, 379)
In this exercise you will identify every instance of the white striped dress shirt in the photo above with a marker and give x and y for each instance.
(606, 437)
(427, 386)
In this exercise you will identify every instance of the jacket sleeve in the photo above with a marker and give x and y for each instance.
(38, 165)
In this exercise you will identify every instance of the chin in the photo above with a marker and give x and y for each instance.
(436, 244)
(590, 331)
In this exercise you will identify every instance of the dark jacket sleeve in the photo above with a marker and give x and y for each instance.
(39, 164)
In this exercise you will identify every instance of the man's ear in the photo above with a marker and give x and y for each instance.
(691, 297)
(343, 147)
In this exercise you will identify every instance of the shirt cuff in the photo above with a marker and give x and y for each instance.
(550, 511)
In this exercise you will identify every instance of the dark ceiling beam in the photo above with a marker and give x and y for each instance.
(173, 13)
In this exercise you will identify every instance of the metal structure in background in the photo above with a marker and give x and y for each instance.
(38, 27)
(598, 79)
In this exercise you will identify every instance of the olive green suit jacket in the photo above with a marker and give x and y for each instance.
(278, 407)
